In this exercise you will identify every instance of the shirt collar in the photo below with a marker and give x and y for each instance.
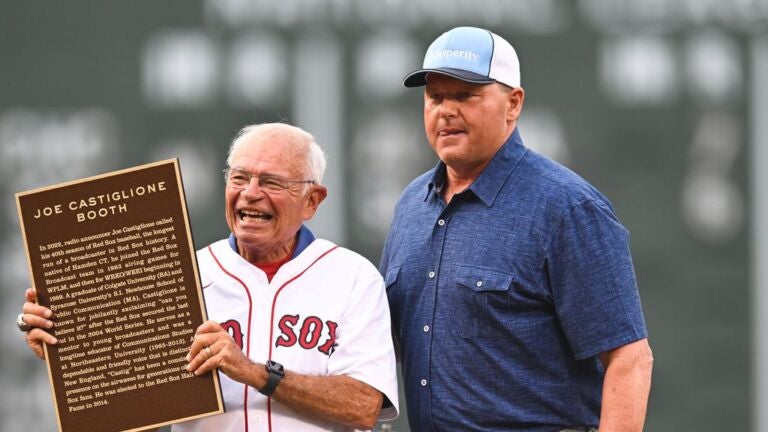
(488, 185)
(435, 185)
(305, 238)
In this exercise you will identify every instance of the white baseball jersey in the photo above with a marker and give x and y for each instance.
(325, 312)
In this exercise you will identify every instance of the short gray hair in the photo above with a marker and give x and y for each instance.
(314, 165)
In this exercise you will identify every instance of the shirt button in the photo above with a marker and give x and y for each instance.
(431, 275)
(426, 328)
(258, 419)
(441, 222)
(423, 383)
(479, 283)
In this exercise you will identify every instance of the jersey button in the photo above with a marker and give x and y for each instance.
(426, 328)
(423, 383)
(479, 284)
(431, 275)
(441, 222)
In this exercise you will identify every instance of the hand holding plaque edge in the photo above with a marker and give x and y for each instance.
(38, 318)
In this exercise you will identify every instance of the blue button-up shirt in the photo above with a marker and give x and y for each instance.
(502, 299)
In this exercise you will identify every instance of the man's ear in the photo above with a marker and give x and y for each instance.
(313, 199)
(516, 99)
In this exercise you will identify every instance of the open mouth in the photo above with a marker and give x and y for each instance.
(250, 215)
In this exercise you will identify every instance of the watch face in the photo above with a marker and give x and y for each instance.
(275, 367)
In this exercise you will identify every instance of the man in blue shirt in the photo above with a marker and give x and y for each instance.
(509, 278)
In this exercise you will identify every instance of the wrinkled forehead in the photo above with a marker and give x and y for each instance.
(270, 152)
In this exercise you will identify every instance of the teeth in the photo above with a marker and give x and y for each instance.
(254, 215)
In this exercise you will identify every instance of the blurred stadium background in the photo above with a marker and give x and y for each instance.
(662, 104)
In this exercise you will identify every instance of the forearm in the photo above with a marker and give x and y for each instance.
(626, 386)
(338, 399)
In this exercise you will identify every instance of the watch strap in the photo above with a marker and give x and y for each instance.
(276, 373)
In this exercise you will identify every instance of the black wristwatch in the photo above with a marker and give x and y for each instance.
(276, 373)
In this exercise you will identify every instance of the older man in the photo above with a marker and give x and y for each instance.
(316, 313)
(509, 277)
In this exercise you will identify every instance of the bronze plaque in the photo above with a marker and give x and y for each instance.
(113, 257)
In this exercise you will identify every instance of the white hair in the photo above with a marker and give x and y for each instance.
(314, 164)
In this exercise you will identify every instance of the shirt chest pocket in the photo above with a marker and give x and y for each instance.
(481, 301)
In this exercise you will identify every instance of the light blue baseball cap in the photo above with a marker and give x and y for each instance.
(470, 54)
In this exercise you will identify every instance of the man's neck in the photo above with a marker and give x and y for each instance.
(280, 253)
(458, 180)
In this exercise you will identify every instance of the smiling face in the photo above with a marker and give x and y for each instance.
(467, 123)
(265, 224)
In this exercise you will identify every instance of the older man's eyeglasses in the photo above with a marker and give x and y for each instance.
(240, 179)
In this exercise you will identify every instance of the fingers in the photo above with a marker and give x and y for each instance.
(36, 348)
(202, 355)
(38, 318)
(213, 348)
(208, 327)
(40, 335)
(200, 352)
(35, 315)
(31, 295)
(205, 335)
(36, 338)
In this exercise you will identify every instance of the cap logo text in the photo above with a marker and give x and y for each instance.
(444, 53)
